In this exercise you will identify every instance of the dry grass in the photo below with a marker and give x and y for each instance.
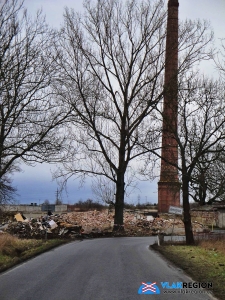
(214, 245)
(204, 262)
(12, 246)
(5, 241)
(14, 250)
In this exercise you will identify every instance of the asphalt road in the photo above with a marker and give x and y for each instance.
(98, 269)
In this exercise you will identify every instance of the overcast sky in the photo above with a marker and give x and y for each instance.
(35, 184)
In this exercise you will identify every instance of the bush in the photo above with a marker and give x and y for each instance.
(88, 205)
(147, 206)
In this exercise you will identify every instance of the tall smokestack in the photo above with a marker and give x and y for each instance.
(168, 185)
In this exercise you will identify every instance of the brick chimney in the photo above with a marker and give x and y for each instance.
(168, 185)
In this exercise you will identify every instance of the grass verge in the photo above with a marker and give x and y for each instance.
(204, 262)
(14, 251)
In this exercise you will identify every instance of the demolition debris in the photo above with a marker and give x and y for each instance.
(50, 226)
(93, 224)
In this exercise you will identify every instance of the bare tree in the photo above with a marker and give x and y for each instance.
(220, 59)
(7, 191)
(58, 200)
(104, 190)
(208, 180)
(194, 46)
(200, 135)
(214, 184)
(112, 67)
(29, 116)
(112, 75)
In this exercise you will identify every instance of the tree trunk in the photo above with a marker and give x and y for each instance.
(187, 216)
(202, 188)
(119, 204)
(120, 184)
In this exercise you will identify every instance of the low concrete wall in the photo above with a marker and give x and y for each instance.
(21, 208)
(31, 208)
(61, 208)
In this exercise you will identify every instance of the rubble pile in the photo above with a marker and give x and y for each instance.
(94, 224)
(134, 224)
(160, 225)
(48, 226)
(91, 220)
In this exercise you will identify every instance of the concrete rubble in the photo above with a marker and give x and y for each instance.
(94, 224)
(135, 224)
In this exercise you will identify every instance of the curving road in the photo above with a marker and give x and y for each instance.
(99, 269)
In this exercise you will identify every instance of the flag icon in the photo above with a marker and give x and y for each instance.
(148, 288)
